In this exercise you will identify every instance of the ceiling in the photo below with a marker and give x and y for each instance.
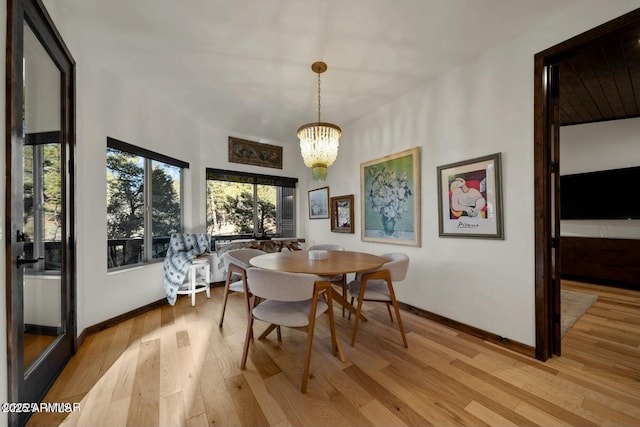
(602, 82)
(244, 65)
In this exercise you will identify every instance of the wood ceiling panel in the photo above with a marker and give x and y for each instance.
(600, 65)
(592, 83)
(618, 63)
(602, 82)
(573, 95)
(577, 74)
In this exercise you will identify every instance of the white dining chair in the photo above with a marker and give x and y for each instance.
(236, 263)
(377, 286)
(290, 300)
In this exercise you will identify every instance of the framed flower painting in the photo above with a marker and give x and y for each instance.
(470, 198)
(390, 198)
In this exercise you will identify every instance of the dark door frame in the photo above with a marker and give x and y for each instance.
(34, 12)
(545, 269)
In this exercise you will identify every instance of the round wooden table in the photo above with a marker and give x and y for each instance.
(337, 262)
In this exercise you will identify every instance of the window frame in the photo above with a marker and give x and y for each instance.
(255, 179)
(37, 141)
(148, 157)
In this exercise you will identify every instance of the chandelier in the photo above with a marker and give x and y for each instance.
(319, 141)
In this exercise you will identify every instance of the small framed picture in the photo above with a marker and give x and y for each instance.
(319, 203)
(342, 214)
(470, 198)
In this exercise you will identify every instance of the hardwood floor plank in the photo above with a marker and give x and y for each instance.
(189, 376)
(218, 402)
(198, 421)
(144, 407)
(297, 407)
(270, 408)
(171, 410)
(432, 410)
(125, 373)
(118, 344)
(557, 411)
(601, 385)
(431, 357)
(137, 331)
(247, 407)
(488, 416)
(116, 415)
(349, 411)
(170, 383)
(380, 415)
(381, 394)
(431, 380)
(261, 358)
(605, 411)
(538, 416)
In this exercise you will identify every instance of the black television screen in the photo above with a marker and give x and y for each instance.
(609, 194)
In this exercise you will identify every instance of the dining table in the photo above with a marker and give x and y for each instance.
(335, 263)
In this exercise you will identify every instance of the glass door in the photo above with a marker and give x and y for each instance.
(40, 305)
(43, 225)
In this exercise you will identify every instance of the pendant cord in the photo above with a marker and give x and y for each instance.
(318, 97)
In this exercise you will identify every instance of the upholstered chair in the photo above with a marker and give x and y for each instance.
(290, 300)
(377, 286)
(237, 263)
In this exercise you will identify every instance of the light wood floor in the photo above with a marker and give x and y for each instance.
(174, 367)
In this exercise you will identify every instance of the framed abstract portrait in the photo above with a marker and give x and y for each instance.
(342, 214)
(390, 199)
(319, 203)
(470, 198)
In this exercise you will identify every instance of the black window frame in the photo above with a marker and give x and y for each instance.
(249, 178)
(149, 156)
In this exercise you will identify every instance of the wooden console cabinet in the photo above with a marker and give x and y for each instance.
(614, 262)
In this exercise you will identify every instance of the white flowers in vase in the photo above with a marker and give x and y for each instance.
(389, 193)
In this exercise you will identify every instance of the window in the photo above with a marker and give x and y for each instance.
(144, 203)
(245, 205)
(43, 201)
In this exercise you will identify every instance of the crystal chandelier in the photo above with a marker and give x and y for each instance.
(319, 141)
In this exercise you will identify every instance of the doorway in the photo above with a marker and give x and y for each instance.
(547, 119)
(41, 326)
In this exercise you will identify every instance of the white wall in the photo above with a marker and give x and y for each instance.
(483, 107)
(594, 147)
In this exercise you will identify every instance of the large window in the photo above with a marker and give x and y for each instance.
(245, 205)
(144, 203)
